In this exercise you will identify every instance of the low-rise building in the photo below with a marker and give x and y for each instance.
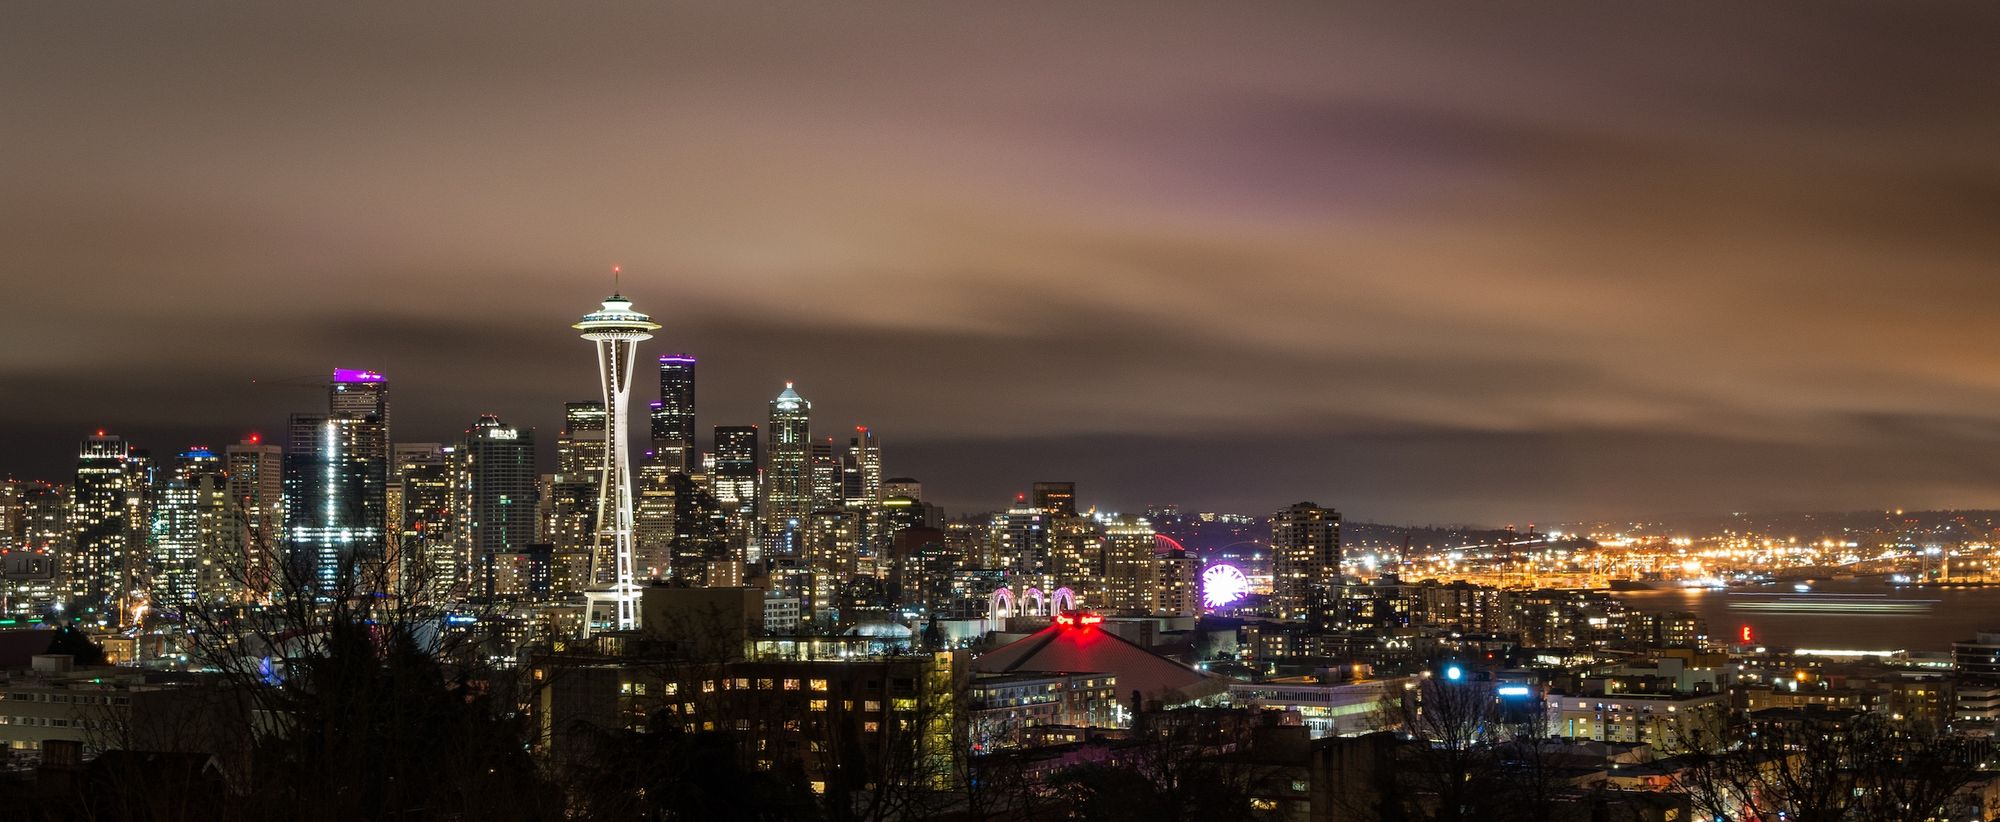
(1671, 723)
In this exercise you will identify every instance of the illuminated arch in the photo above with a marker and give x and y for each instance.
(1002, 605)
(1163, 543)
(1032, 602)
(1062, 599)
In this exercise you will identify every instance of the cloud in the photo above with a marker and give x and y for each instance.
(1382, 252)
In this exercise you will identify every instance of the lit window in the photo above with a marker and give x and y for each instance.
(791, 684)
(819, 684)
(708, 686)
(816, 705)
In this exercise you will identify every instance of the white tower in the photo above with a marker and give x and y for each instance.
(617, 330)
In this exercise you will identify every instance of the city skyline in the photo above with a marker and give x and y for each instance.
(1426, 270)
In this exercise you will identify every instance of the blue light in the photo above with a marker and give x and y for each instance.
(1454, 673)
(1512, 690)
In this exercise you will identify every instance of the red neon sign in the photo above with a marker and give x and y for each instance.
(1746, 633)
(1078, 619)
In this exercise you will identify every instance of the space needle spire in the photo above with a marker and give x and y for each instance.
(616, 330)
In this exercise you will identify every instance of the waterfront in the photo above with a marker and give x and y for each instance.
(1862, 613)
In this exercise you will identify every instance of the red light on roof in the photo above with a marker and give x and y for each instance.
(1078, 619)
(256, 438)
(100, 432)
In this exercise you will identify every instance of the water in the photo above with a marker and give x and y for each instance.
(1860, 614)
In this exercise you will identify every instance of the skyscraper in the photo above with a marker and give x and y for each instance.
(787, 486)
(1128, 566)
(1057, 499)
(496, 500)
(653, 518)
(429, 555)
(336, 501)
(357, 393)
(580, 446)
(861, 470)
(1305, 564)
(673, 415)
(616, 331)
(736, 460)
(336, 487)
(102, 527)
(256, 487)
(186, 552)
(823, 475)
(1171, 585)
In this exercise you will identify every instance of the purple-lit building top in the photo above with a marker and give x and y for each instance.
(357, 375)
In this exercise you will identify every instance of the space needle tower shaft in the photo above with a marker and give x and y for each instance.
(616, 330)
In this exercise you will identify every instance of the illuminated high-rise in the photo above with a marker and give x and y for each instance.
(103, 530)
(336, 481)
(496, 497)
(1057, 499)
(673, 415)
(735, 475)
(256, 488)
(1305, 564)
(187, 562)
(1171, 583)
(823, 476)
(429, 554)
(1128, 566)
(653, 518)
(580, 446)
(787, 485)
(616, 331)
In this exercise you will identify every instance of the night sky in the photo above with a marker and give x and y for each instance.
(1421, 263)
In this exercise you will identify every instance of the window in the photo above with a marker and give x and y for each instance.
(871, 706)
(816, 705)
(766, 684)
(871, 727)
(742, 684)
(791, 684)
(819, 684)
(708, 686)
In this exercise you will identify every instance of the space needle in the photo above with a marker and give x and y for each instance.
(617, 330)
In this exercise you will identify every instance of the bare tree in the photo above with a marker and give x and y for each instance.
(367, 694)
(1829, 769)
